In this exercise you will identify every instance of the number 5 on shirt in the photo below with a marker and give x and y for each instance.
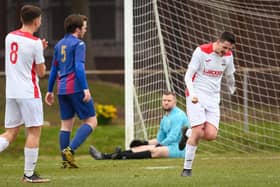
(63, 53)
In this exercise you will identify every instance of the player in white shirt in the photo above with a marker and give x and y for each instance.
(203, 80)
(24, 62)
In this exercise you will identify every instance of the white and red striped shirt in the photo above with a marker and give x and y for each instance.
(208, 68)
(23, 51)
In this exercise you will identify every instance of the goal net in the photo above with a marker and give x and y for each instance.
(163, 35)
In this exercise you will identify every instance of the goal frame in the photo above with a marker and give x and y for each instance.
(131, 102)
(241, 105)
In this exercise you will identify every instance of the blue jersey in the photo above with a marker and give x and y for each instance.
(68, 66)
(169, 133)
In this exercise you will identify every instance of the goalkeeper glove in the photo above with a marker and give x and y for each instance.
(159, 145)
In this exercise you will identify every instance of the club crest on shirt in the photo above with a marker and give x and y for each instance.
(208, 60)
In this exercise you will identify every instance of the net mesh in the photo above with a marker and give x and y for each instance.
(165, 34)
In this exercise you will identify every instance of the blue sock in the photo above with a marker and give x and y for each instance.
(64, 140)
(81, 135)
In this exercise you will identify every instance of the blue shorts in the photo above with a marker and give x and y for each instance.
(73, 104)
(174, 152)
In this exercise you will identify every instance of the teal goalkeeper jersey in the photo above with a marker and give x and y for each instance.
(170, 127)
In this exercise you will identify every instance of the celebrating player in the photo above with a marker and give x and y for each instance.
(166, 143)
(203, 80)
(68, 67)
(24, 62)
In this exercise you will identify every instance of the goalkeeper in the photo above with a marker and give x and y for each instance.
(166, 143)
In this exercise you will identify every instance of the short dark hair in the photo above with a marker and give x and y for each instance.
(29, 12)
(227, 36)
(74, 21)
(169, 93)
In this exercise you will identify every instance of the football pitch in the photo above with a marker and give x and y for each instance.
(214, 170)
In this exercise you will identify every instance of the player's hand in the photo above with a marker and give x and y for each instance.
(45, 43)
(49, 98)
(194, 100)
(87, 96)
(232, 90)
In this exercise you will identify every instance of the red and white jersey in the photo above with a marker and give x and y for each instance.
(23, 51)
(209, 68)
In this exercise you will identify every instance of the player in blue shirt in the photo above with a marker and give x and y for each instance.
(68, 68)
(166, 143)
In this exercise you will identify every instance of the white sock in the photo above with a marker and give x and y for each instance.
(189, 156)
(4, 143)
(30, 160)
(189, 132)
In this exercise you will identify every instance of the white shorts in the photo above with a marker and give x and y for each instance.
(23, 111)
(202, 112)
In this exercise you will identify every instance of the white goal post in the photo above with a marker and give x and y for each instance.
(160, 36)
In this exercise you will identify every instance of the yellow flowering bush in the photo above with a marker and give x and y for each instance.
(105, 113)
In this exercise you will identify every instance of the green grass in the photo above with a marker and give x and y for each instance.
(102, 92)
(104, 137)
(230, 171)
(209, 170)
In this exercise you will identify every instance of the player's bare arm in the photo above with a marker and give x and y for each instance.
(40, 69)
